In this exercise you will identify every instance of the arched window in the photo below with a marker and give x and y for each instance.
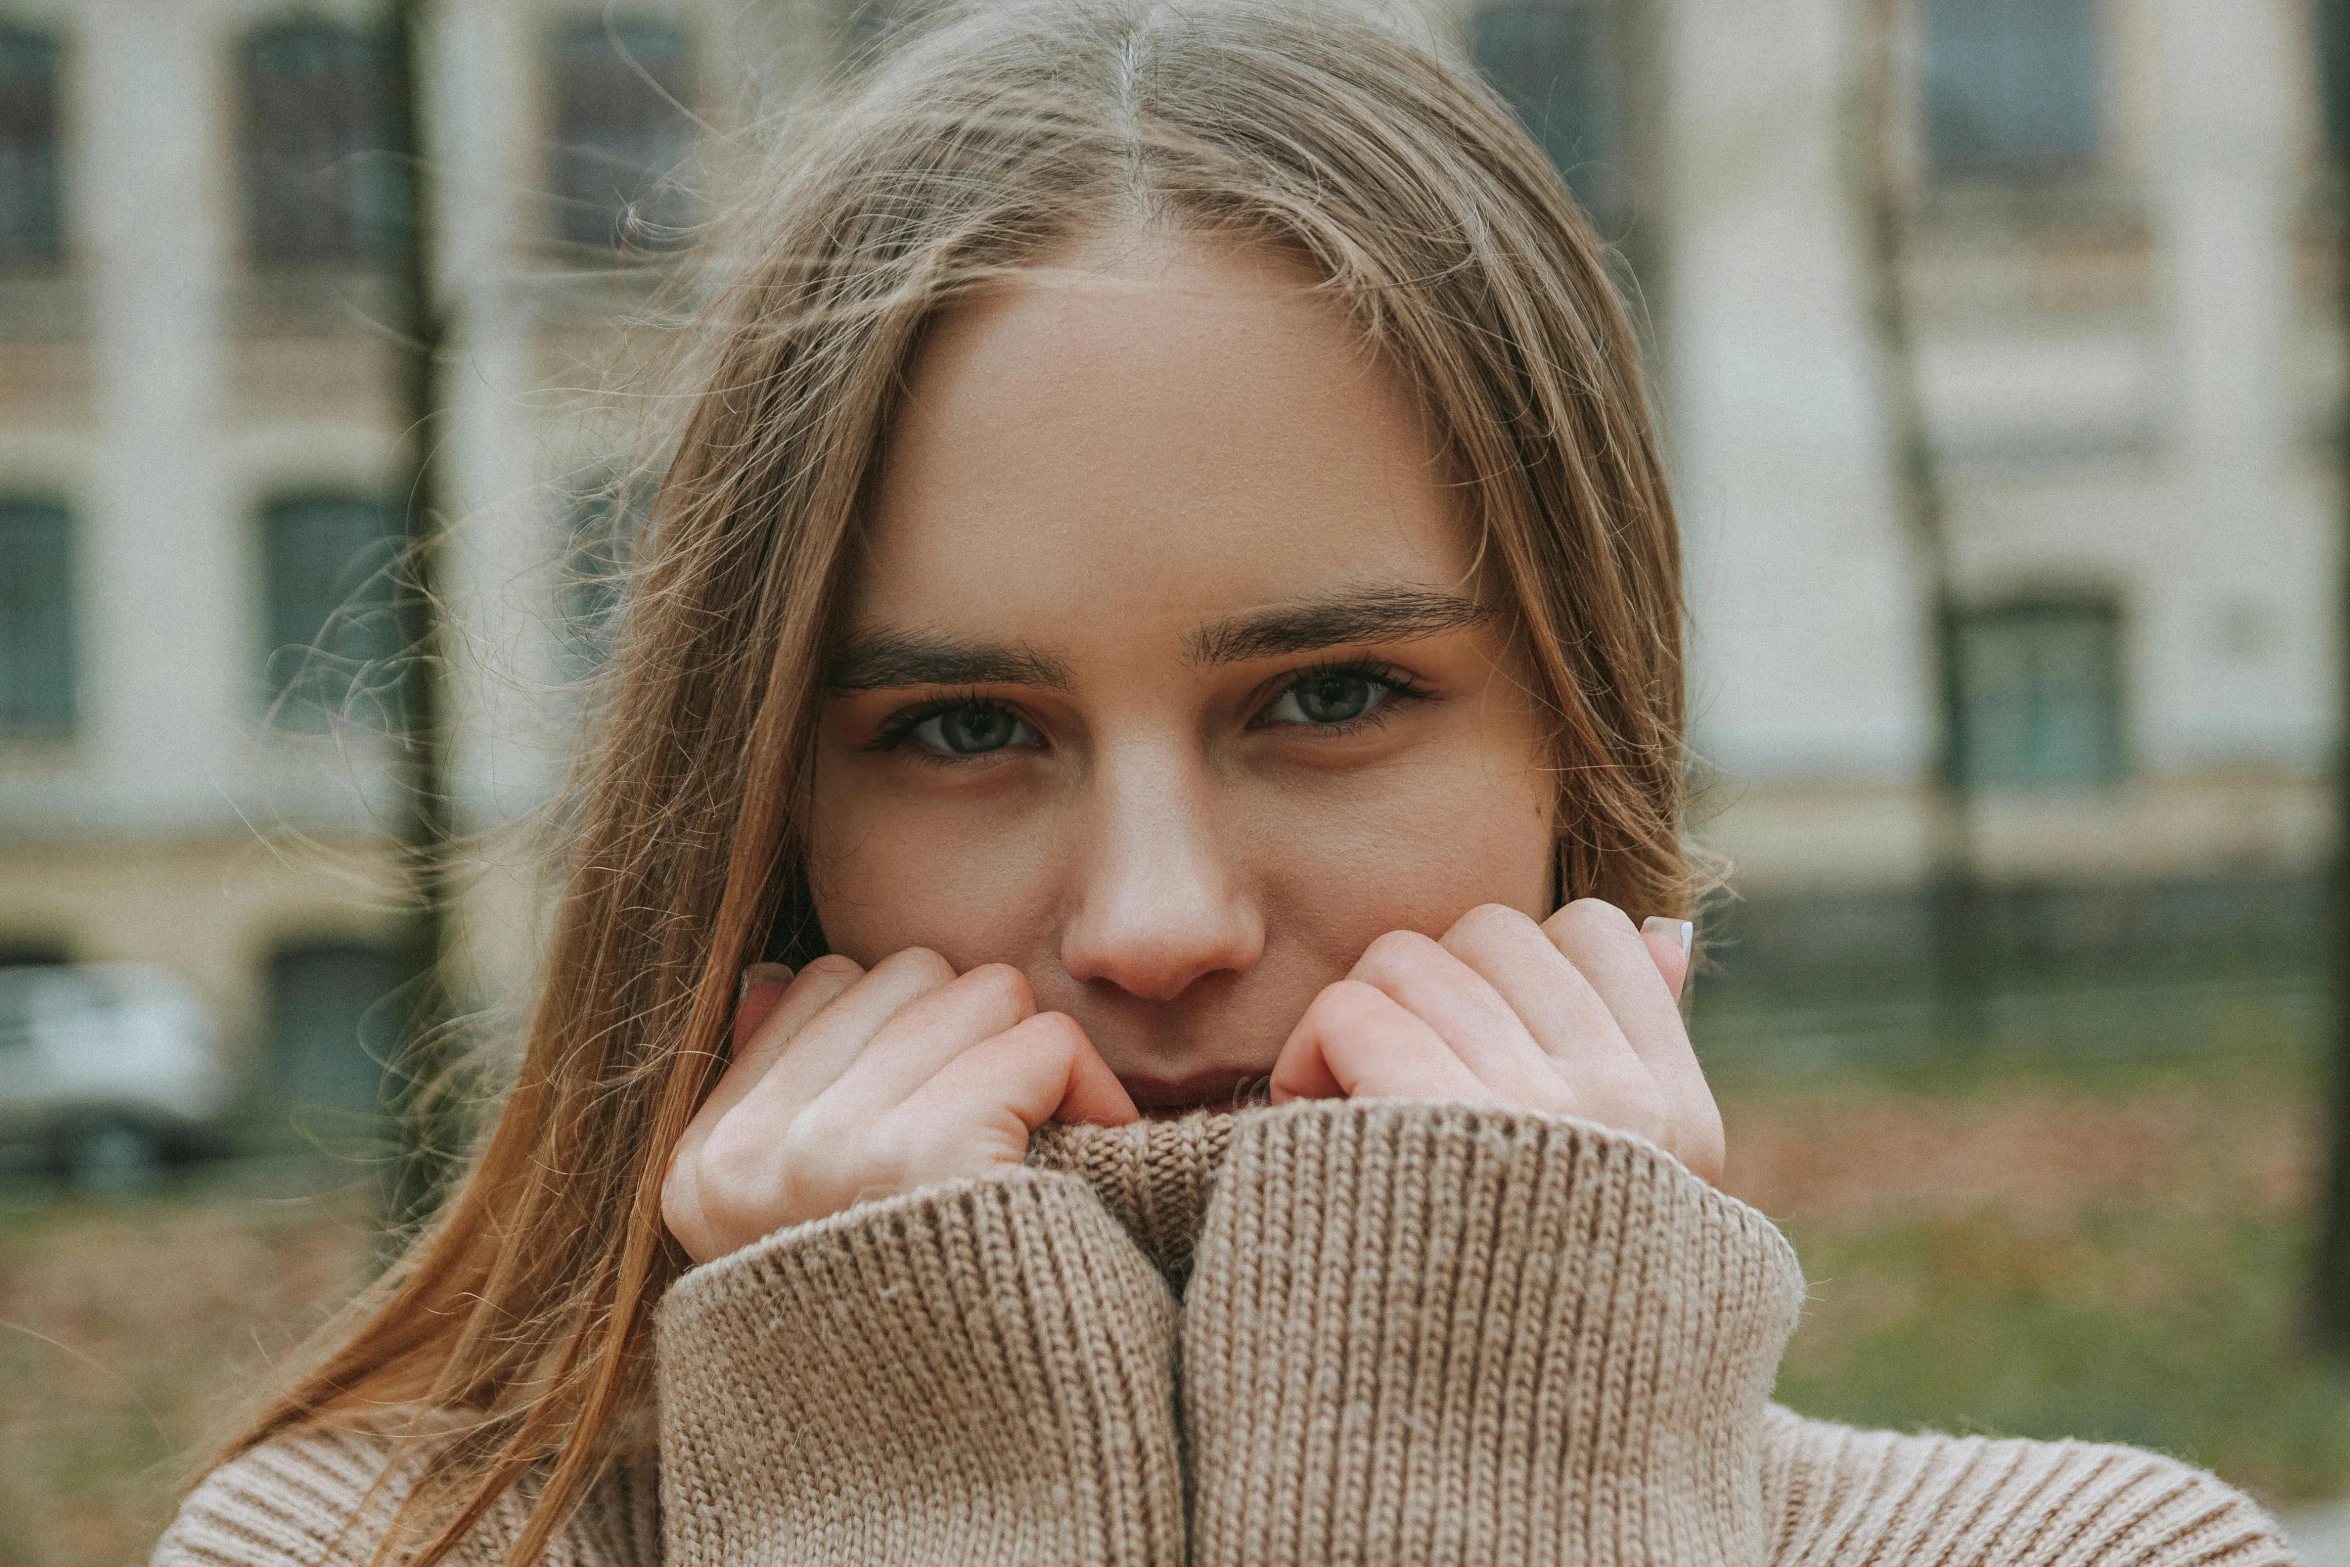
(621, 132)
(36, 618)
(2011, 88)
(2037, 688)
(31, 200)
(1555, 63)
(322, 184)
(330, 584)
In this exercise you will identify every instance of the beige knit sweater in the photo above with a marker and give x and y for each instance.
(1337, 1332)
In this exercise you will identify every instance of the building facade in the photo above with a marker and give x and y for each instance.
(2087, 636)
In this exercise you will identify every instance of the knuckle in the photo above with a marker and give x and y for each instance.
(1638, 1105)
(1343, 1010)
(1052, 1033)
(1347, 998)
(1000, 982)
(829, 967)
(1490, 925)
(729, 1159)
(919, 963)
(1597, 916)
(814, 1135)
(1397, 952)
(893, 1152)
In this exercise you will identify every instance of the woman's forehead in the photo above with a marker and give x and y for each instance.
(1176, 431)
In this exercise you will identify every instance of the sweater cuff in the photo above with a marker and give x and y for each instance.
(1424, 1331)
(980, 1371)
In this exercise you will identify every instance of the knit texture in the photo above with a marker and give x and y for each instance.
(1449, 1334)
(989, 1362)
(1404, 1333)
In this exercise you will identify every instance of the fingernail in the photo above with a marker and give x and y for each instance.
(761, 973)
(1682, 931)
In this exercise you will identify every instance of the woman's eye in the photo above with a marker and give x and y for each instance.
(972, 730)
(1332, 698)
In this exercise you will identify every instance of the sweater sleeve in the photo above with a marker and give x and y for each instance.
(326, 1498)
(977, 1372)
(1423, 1332)
(1836, 1495)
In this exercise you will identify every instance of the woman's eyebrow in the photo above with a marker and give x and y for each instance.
(1384, 614)
(889, 660)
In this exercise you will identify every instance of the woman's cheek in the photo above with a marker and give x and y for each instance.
(886, 877)
(1408, 858)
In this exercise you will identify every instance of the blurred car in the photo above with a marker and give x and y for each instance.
(108, 1069)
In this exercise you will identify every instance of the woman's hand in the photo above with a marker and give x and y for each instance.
(1576, 1016)
(848, 1085)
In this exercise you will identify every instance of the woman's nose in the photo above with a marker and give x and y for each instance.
(1157, 903)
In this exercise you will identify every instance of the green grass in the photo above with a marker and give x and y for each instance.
(130, 1329)
(2099, 1231)
(2129, 1329)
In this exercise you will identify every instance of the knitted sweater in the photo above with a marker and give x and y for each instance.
(1336, 1332)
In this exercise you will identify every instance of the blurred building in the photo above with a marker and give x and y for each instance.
(2116, 272)
(202, 466)
(2105, 311)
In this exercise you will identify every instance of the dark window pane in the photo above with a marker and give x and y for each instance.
(1553, 61)
(36, 619)
(321, 182)
(2330, 39)
(600, 536)
(332, 592)
(2011, 87)
(31, 201)
(620, 133)
(335, 1021)
(2039, 694)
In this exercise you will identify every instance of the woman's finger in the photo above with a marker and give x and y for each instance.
(1559, 1006)
(1599, 940)
(918, 1041)
(1041, 1069)
(1668, 942)
(1431, 982)
(979, 1108)
(763, 986)
(763, 1024)
(786, 1010)
(819, 985)
(1356, 1041)
(1589, 1065)
(816, 1035)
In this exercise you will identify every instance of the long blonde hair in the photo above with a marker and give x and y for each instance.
(520, 1317)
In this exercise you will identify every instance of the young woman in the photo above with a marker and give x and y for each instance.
(1098, 1014)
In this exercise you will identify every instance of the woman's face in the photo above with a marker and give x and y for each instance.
(1167, 673)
